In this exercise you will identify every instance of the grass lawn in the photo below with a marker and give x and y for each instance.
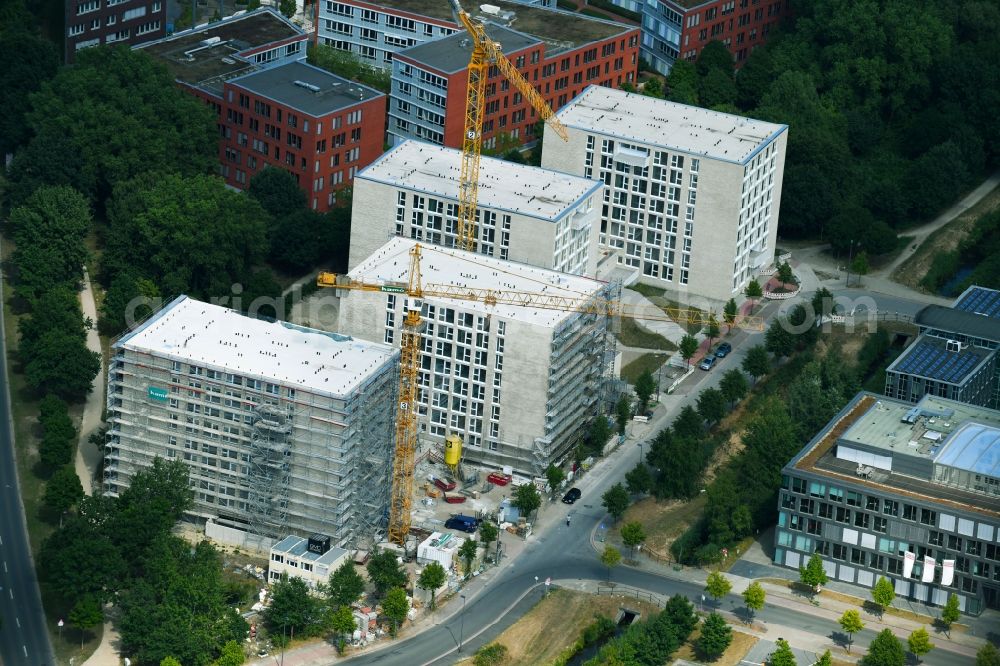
(651, 362)
(556, 622)
(664, 521)
(647, 291)
(634, 335)
(733, 655)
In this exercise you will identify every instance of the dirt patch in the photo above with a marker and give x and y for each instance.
(945, 239)
(733, 655)
(556, 622)
(663, 522)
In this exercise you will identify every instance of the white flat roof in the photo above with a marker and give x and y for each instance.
(657, 122)
(205, 334)
(446, 266)
(503, 185)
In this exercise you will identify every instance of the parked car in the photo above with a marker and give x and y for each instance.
(723, 350)
(463, 523)
(572, 495)
(707, 363)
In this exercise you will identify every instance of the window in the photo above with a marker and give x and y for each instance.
(928, 517)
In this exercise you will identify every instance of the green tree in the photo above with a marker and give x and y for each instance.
(345, 585)
(30, 61)
(526, 499)
(395, 606)
(753, 291)
(716, 89)
(277, 191)
(715, 637)
(988, 655)
(170, 661)
(58, 433)
(885, 650)
(554, 475)
(653, 88)
(785, 274)
(950, 613)
(883, 593)
(712, 405)
(756, 363)
(232, 655)
(682, 83)
(782, 655)
(638, 480)
(62, 365)
(822, 303)
(688, 348)
(598, 434)
(717, 585)
(645, 385)
(753, 598)
(124, 102)
(623, 412)
(293, 610)
(342, 623)
(632, 535)
(433, 576)
(488, 533)
(919, 643)
(859, 265)
(86, 614)
(384, 572)
(779, 340)
(616, 500)
(812, 574)
(62, 491)
(610, 557)
(494, 654)
(851, 623)
(825, 659)
(287, 7)
(714, 55)
(467, 553)
(733, 386)
(712, 330)
(729, 312)
(79, 559)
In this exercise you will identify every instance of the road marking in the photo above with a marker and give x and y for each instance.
(18, 620)
(25, 648)
(11, 592)
(5, 567)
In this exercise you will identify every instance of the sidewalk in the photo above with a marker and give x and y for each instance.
(823, 606)
(88, 456)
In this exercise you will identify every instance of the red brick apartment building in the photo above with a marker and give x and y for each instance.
(559, 53)
(273, 108)
(96, 22)
(675, 29)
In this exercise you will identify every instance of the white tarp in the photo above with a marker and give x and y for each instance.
(908, 560)
(928, 576)
(947, 572)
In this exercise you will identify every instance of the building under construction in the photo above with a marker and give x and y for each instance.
(285, 430)
(517, 383)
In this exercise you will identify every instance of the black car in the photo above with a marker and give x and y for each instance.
(463, 523)
(572, 495)
(723, 350)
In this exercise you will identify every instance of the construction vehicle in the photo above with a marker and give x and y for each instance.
(486, 52)
(411, 342)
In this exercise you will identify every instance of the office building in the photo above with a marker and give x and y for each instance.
(518, 384)
(902, 491)
(691, 196)
(284, 429)
(96, 22)
(525, 214)
(274, 109)
(956, 355)
(312, 560)
(680, 29)
(559, 53)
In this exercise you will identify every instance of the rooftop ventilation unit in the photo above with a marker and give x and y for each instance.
(307, 86)
(211, 41)
(953, 346)
(493, 10)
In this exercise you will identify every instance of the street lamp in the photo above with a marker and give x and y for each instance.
(640, 451)
(461, 628)
(850, 252)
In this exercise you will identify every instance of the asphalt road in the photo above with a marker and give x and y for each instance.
(23, 637)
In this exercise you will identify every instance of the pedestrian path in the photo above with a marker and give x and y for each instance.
(88, 456)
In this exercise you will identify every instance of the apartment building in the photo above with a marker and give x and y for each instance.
(911, 493)
(320, 127)
(517, 383)
(559, 53)
(376, 31)
(285, 430)
(525, 214)
(691, 195)
(274, 109)
(95, 22)
(957, 354)
(680, 29)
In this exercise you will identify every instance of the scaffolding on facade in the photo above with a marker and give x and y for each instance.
(269, 474)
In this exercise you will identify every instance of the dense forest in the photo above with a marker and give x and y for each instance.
(891, 107)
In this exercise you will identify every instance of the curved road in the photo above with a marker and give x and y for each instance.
(23, 636)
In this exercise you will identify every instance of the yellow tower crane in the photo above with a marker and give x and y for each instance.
(411, 342)
(485, 52)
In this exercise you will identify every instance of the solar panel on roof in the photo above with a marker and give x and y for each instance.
(930, 360)
(981, 300)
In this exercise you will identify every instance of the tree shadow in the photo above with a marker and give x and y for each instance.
(840, 638)
(941, 627)
(744, 614)
(873, 608)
